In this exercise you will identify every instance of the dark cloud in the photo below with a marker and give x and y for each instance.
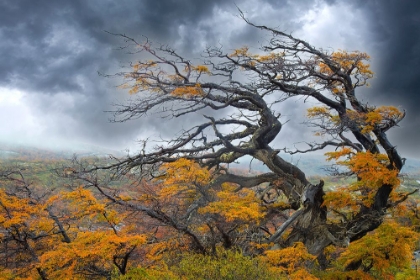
(52, 51)
(394, 37)
(46, 44)
(395, 34)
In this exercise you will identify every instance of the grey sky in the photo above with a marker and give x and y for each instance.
(51, 52)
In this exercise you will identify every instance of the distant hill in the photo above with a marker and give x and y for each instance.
(311, 164)
(316, 165)
(9, 151)
(412, 166)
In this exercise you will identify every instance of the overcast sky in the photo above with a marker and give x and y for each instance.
(52, 50)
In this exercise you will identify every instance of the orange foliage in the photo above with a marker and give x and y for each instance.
(242, 205)
(369, 121)
(188, 91)
(95, 250)
(240, 52)
(271, 57)
(372, 171)
(184, 172)
(17, 213)
(201, 69)
(389, 246)
(343, 152)
(182, 179)
(92, 238)
(342, 200)
(290, 261)
(366, 122)
(317, 111)
(349, 62)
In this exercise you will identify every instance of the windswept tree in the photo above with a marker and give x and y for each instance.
(192, 189)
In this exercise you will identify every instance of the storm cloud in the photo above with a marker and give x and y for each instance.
(51, 53)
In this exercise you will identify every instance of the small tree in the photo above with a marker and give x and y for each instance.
(48, 234)
(204, 191)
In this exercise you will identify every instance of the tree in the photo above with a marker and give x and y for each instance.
(208, 201)
(26, 222)
(48, 234)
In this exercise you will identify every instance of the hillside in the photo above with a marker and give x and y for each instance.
(311, 164)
